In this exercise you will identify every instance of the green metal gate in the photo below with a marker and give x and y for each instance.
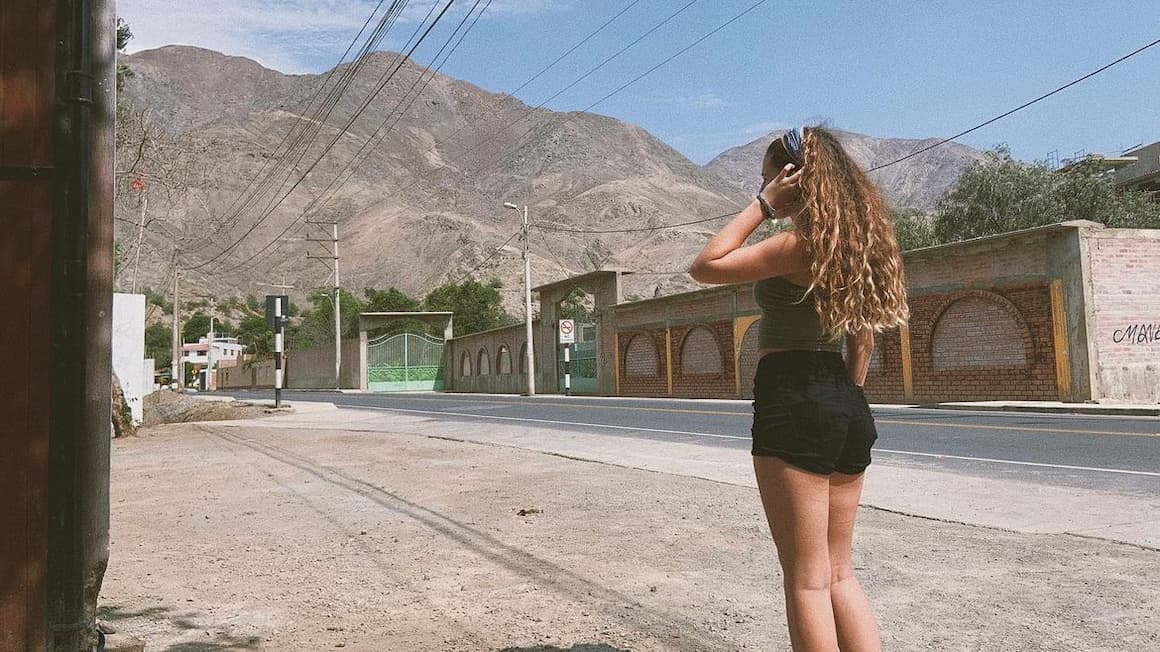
(405, 362)
(582, 367)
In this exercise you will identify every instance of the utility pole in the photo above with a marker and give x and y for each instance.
(140, 238)
(176, 369)
(337, 299)
(527, 300)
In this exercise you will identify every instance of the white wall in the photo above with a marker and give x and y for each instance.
(129, 349)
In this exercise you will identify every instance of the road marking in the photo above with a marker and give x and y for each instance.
(896, 422)
(717, 436)
(980, 426)
(1016, 462)
(551, 421)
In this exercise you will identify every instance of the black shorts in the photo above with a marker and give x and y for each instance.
(808, 412)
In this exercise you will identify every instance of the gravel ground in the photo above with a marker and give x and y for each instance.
(235, 538)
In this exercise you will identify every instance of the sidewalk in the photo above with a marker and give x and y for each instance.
(1045, 407)
(329, 529)
(1054, 407)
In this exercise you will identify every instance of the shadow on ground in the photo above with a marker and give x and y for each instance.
(214, 642)
(579, 647)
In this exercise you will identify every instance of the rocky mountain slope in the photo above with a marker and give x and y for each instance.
(916, 183)
(423, 205)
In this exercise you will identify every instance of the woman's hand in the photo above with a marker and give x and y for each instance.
(782, 191)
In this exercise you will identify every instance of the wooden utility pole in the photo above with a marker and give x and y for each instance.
(176, 369)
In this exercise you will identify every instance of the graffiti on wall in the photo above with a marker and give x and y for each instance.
(1137, 334)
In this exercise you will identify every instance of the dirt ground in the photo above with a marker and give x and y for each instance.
(235, 538)
(167, 406)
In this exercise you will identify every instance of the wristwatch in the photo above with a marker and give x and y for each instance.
(766, 209)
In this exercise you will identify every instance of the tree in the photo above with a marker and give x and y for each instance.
(477, 306)
(393, 300)
(158, 345)
(317, 325)
(124, 35)
(195, 327)
(914, 229)
(198, 325)
(389, 300)
(257, 337)
(1000, 194)
(578, 305)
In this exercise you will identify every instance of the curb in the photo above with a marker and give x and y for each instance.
(1052, 409)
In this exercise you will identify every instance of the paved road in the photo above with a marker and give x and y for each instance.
(1112, 453)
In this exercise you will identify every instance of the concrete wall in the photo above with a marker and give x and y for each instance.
(314, 368)
(309, 369)
(1125, 333)
(129, 350)
(253, 375)
(462, 357)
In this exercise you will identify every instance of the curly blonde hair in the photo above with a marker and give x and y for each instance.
(855, 262)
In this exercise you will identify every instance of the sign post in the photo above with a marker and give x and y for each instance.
(567, 338)
(276, 308)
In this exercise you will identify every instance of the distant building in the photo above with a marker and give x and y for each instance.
(1143, 173)
(210, 354)
(1135, 169)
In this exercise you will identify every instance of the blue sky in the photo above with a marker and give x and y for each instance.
(887, 69)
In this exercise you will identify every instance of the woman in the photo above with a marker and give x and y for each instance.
(835, 278)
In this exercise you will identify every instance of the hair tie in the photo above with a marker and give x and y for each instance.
(792, 140)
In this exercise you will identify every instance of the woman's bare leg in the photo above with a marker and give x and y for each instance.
(797, 507)
(857, 628)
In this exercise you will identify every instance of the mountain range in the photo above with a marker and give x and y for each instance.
(222, 163)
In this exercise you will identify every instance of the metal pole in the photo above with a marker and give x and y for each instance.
(337, 316)
(278, 353)
(528, 307)
(567, 370)
(176, 369)
(76, 546)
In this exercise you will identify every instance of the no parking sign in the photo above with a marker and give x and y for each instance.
(567, 331)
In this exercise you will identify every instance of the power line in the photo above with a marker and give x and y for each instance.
(609, 95)
(1018, 108)
(305, 139)
(493, 105)
(485, 260)
(377, 137)
(270, 209)
(548, 67)
(548, 227)
(911, 155)
(309, 123)
(579, 79)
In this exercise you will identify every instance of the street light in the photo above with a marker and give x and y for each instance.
(527, 301)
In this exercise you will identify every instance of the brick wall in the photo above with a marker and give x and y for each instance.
(976, 345)
(1125, 284)
(644, 371)
(981, 328)
(703, 360)
(884, 378)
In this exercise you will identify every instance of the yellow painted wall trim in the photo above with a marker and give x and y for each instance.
(669, 358)
(616, 352)
(1059, 329)
(740, 327)
(907, 368)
